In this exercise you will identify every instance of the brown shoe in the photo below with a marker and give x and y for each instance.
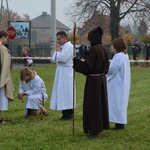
(93, 136)
(32, 117)
(44, 111)
(33, 114)
(2, 120)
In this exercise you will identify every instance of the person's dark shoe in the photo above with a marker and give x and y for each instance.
(32, 114)
(93, 136)
(69, 117)
(119, 126)
(2, 120)
(66, 117)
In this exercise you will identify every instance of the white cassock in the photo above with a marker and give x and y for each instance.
(3, 99)
(62, 93)
(36, 92)
(118, 85)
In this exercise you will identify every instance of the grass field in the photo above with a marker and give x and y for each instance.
(49, 133)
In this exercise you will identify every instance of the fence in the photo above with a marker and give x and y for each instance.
(36, 51)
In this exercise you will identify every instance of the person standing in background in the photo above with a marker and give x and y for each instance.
(82, 50)
(62, 93)
(6, 84)
(77, 46)
(147, 50)
(28, 60)
(136, 49)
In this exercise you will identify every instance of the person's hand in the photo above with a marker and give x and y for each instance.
(9, 51)
(58, 48)
(20, 96)
(83, 60)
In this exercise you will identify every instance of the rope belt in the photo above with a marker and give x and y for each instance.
(95, 75)
(42, 99)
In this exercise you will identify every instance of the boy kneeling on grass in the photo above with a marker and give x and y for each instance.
(33, 87)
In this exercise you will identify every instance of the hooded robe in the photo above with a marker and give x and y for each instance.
(95, 68)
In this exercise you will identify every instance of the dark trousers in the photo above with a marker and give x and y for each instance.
(147, 54)
(134, 55)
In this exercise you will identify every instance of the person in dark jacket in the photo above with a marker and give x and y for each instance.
(136, 49)
(147, 52)
(95, 67)
(82, 50)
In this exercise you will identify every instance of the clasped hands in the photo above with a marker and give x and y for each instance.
(20, 95)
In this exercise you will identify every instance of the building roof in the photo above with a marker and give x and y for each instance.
(43, 22)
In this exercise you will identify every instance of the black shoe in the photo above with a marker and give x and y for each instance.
(66, 117)
(119, 126)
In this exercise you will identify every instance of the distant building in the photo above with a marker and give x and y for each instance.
(96, 20)
(40, 28)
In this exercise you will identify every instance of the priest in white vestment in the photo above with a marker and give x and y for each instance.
(62, 93)
(118, 84)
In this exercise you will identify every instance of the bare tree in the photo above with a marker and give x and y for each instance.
(140, 29)
(116, 9)
(13, 17)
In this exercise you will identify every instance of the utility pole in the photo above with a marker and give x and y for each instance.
(53, 27)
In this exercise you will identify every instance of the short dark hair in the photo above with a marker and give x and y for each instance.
(62, 34)
(3, 33)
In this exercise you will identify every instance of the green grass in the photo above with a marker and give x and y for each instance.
(49, 133)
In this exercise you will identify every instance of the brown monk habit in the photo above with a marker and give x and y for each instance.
(95, 68)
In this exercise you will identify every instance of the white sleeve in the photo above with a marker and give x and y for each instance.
(21, 89)
(54, 56)
(36, 87)
(114, 67)
(66, 54)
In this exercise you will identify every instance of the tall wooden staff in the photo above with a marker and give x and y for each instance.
(74, 39)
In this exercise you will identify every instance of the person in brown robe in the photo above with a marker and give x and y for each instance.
(95, 67)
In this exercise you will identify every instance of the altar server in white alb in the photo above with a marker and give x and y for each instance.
(118, 84)
(33, 87)
(62, 93)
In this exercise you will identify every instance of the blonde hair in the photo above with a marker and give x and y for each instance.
(26, 72)
(25, 49)
(120, 45)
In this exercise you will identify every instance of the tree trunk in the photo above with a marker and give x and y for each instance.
(114, 21)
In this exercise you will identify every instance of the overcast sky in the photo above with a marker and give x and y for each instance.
(35, 8)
